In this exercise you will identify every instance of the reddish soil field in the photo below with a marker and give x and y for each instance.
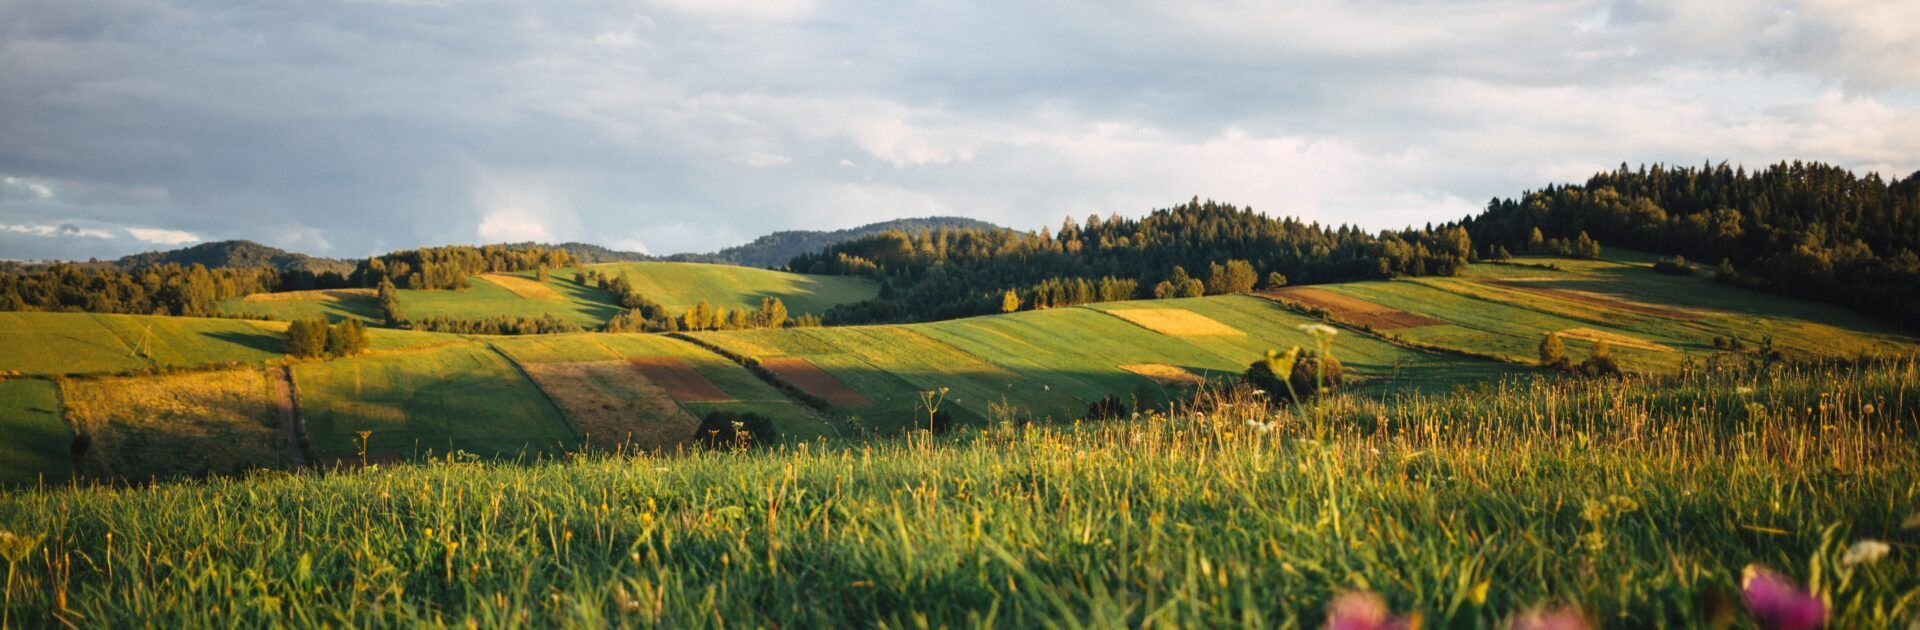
(680, 380)
(1350, 310)
(1594, 299)
(813, 380)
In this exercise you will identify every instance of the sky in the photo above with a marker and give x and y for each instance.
(348, 128)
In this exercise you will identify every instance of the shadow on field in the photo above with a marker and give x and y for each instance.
(262, 340)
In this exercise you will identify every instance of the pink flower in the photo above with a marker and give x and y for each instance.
(1556, 619)
(1778, 604)
(1361, 610)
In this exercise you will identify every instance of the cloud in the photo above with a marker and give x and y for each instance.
(159, 236)
(346, 128)
(64, 229)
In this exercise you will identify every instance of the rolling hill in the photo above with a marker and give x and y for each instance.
(237, 254)
(677, 286)
(535, 396)
(776, 249)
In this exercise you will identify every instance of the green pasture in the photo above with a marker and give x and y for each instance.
(678, 286)
(34, 441)
(584, 305)
(89, 343)
(290, 310)
(455, 397)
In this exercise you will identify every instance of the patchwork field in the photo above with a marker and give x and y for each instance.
(614, 404)
(457, 397)
(197, 423)
(86, 343)
(34, 441)
(659, 358)
(1653, 321)
(678, 286)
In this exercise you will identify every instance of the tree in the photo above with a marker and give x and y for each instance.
(1585, 247)
(1600, 361)
(1009, 301)
(389, 300)
(540, 273)
(347, 338)
(306, 338)
(1553, 352)
(1237, 276)
(1536, 242)
(1164, 290)
(1193, 288)
(1276, 280)
(772, 313)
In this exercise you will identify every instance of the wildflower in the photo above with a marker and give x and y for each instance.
(1361, 610)
(1262, 427)
(1743, 390)
(1778, 604)
(1556, 619)
(1867, 410)
(1865, 552)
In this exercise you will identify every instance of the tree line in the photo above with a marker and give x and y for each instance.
(946, 273)
(449, 267)
(165, 289)
(1807, 230)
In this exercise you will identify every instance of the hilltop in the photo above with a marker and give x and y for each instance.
(237, 254)
(776, 249)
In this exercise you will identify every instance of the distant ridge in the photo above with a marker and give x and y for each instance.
(237, 254)
(776, 249)
(770, 251)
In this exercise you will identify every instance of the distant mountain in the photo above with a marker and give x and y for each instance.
(778, 248)
(237, 254)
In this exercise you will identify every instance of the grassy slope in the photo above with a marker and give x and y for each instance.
(36, 440)
(675, 285)
(466, 397)
(86, 343)
(749, 393)
(1631, 500)
(679, 285)
(1508, 322)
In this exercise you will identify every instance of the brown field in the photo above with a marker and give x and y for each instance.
(176, 424)
(1612, 338)
(1166, 374)
(1596, 299)
(614, 404)
(813, 380)
(1175, 322)
(680, 380)
(323, 295)
(524, 287)
(1351, 310)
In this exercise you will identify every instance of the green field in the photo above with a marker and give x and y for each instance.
(87, 343)
(458, 397)
(678, 286)
(34, 449)
(1635, 502)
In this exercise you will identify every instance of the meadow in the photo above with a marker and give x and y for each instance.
(678, 286)
(1635, 501)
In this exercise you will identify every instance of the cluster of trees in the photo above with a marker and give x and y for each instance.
(1807, 230)
(496, 325)
(164, 289)
(316, 338)
(949, 273)
(449, 267)
(1599, 362)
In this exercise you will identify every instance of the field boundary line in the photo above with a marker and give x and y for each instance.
(288, 411)
(572, 425)
(818, 406)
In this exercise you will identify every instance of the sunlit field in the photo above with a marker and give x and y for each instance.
(1632, 502)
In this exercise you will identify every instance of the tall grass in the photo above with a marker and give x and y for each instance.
(1634, 500)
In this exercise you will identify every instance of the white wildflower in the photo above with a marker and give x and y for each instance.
(1865, 552)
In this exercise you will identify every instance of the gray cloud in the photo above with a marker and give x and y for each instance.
(347, 128)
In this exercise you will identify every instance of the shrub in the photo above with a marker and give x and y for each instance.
(347, 338)
(1306, 370)
(1675, 266)
(1600, 362)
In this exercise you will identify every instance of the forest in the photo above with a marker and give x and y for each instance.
(1180, 251)
(1806, 230)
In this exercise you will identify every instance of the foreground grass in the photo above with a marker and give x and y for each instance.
(1633, 500)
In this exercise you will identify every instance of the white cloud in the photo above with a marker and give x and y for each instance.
(629, 245)
(29, 187)
(160, 236)
(64, 229)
